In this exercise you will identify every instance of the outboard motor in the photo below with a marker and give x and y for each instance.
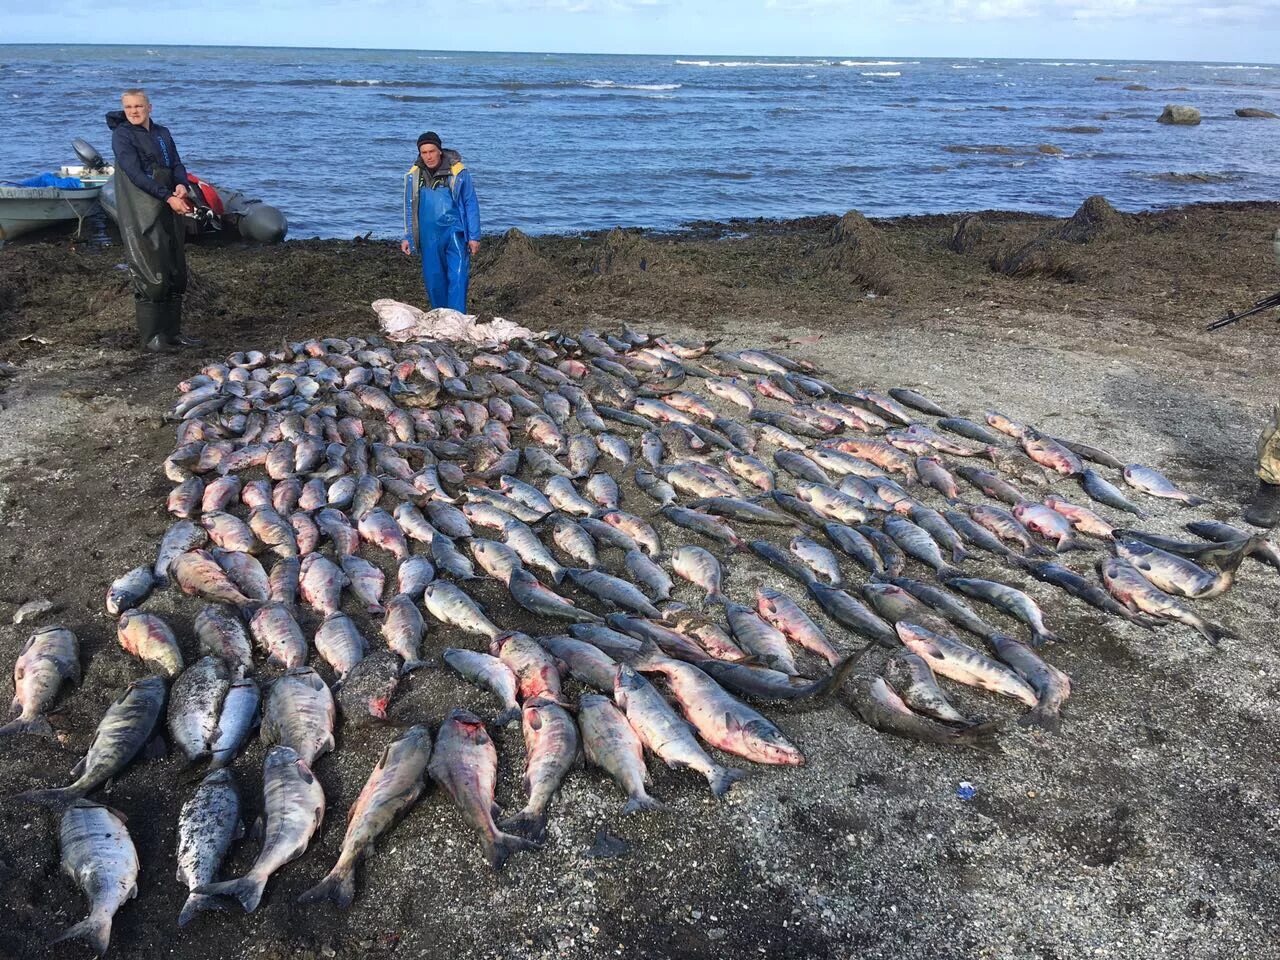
(89, 156)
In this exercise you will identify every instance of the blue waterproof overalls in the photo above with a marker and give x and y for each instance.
(441, 216)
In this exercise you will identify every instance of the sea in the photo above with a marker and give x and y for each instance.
(560, 143)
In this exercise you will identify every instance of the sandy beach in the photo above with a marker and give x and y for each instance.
(1146, 830)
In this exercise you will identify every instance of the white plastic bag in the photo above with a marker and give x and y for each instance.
(403, 321)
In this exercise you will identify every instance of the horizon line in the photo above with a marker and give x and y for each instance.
(564, 53)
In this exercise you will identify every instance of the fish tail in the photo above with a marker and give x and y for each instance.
(1043, 717)
(376, 609)
(1038, 551)
(642, 802)
(722, 778)
(1193, 501)
(57, 798)
(558, 575)
(37, 725)
(527, 824)
(947, 572)
(958, 554)
(648, 656)
(196, 903)
(982, 736)
(410, 665)
(839, 673)
(507, 716)
(339, 887)
(1073, 543)
(94, 930)
(1040, 637)
(247, 891)
(1228, 557)
(502, 845)
(1215, 633)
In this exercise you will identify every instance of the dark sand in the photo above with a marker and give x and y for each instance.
(1147, 830)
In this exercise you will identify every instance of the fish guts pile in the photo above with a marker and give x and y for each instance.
(341, 488)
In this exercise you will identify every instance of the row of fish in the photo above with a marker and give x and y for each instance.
(283, 465)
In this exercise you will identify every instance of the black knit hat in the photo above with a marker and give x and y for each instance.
(430, 137)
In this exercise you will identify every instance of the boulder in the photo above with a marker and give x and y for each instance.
(1180, 115)
(1255, 113)
(1050, 149)
(1139, 87)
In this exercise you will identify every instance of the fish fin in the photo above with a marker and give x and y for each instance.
(507, 716)
(95, 930)
(1038, 551)
(56, 798)
(1216, 632)
(256, 828)
(528, 824)
(722, 778)
(340, 888)
(411, 665)
(648, 656)
(1193, 501)
(503, 845)
(196, 903)
(247, 891)
(1043, 718)
(1074, 543)
(959, 554)
(79, 768)
(156, 748)
(645, 802)
(839, 673)
(982, 736)
(36, 725)
(947, 572)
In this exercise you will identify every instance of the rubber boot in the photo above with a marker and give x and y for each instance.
(173, 326)
(1264, 510)
(150, 318)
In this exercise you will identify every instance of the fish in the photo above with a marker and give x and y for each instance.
(993, 484)
(1008, 599)
(529, 593)
(299, 714)
(917, 401)
(882, 709)
(648, 575)
(970, 430)
(1263, 550)
(199, 575)
(50, 656)
(951, 607)
(465, 765)
(278, 634)
(976, 535)
(917, 543)
(666, 733)
(1155, 484)
(124, 730)
(962, 663)
(912, 678)
(393, 787)
(784, 614)
(610, 742)
(1051, 685)
(293, 808)
(1099, 488)
(552, 745)
(1050, 524)
(402, 629)
(340, 643)
(748, 511)
(854, 544)
(819, 559)
(412, 577)
(700, 568)
(98, 853)
(130, 590)
(720, 718)
(245, 571)
(1081, 518)
(1181, 576)
(195, 704)
(238, 716)
(1049, 453)
(207, 824)
(178, 539)
(221, 633)
(584, 661)
(851, 613)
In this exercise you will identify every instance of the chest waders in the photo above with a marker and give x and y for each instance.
(154, 242)
(446, 262)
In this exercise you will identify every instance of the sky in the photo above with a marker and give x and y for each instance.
(1200, 30)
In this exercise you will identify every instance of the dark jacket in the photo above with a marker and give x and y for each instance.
(138, 151)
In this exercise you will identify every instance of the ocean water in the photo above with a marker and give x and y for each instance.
(562, 143)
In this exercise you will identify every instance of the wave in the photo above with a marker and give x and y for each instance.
(878, 63)
(964, 66)
(749, 63)
(1238, 66)
(880, 73)
(611, 84)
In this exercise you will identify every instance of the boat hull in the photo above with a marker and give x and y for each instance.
(25, 210)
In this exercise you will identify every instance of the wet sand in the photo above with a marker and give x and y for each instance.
(1146, 830)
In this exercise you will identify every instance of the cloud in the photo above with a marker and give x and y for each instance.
(1181, 12)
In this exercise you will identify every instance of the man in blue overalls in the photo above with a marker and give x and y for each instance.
(441, 222)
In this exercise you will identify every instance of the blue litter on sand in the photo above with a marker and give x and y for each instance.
(966, 790)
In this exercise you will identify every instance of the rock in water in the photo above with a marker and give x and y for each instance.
(1256, 114)
(1180, 115)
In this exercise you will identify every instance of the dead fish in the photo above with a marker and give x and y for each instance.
(1180, 576)
(1008, 599)
(1099, 488)
(207, 824)
(394, 785)
(178, 539)
(819, 559)
(610, 742)
(124, 729)
(465, 765)
(1155, 484)
(50, 656)
(917, 401)
(1052, 686)
(299, 713)
(665, 733)
(882, 709)
(779, 610)
(960, 662)
(648, 575)
(700, 568)
(195, 704)
(490, 673)
(912, 679)
(222, 634)
(151, 640)
(98, 853)
(130, 590)
(293, 807)
(551, 747)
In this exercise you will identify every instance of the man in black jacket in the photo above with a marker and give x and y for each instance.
(151, 196)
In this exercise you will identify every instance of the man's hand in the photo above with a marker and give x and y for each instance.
(404, 248)
(180, 190)
(177, 204)
(473, 246)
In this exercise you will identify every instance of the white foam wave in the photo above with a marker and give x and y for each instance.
(877, 63)
(1238, 66)
(881, 73)
(613, 85)
(746, 63)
